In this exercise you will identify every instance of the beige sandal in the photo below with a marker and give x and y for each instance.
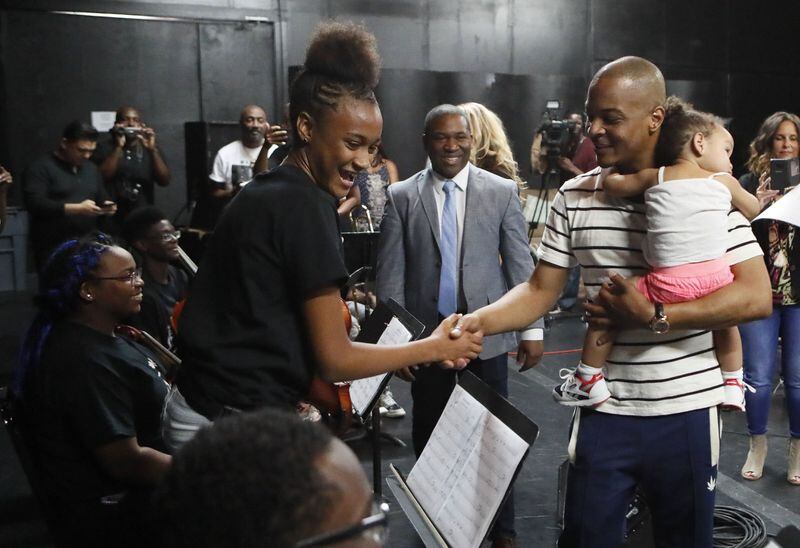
(754, 465)
(793, 475)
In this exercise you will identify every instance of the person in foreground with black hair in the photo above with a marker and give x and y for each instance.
(64, 193)
(91, 400)
(155, 240)
(265, 311)
(292, 484)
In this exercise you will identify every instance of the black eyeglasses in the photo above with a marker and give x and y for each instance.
(373, 528)
(130, 278)
(168, 236)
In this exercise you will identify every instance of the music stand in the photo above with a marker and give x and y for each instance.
(389, 323)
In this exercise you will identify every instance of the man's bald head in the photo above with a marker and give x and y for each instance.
(254, 125)
(252, 110)
(625, 110)
(639, 76)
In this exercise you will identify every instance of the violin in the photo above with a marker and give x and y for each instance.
(333, 398)
(167, 359)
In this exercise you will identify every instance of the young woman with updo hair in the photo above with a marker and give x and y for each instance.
(777, 138)
(264, 313)
(90, 400)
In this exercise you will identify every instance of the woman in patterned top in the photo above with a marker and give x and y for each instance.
(373, 182)
(777, 138)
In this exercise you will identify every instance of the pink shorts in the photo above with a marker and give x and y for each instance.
(687, 282)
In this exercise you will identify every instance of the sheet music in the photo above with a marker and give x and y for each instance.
(363, 391)
(465, 469)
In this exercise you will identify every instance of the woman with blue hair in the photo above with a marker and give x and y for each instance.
(91, 400)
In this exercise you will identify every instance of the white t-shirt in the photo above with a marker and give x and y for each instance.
(685, 221)
(234, 163)
(647, 374)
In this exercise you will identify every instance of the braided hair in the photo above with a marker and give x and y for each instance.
(342, 60)
(66, 269)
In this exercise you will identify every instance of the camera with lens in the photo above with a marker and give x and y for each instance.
(128, 132)
(556, 130)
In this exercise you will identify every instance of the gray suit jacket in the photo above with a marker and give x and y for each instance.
(409, 261)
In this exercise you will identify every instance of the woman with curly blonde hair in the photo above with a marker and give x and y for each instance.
(491, 150)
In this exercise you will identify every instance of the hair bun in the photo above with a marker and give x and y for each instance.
(345, 52)
(676, 106)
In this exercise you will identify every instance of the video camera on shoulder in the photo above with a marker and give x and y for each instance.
(556, 130)
(784, 174)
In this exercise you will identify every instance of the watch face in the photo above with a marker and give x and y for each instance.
(659, 325)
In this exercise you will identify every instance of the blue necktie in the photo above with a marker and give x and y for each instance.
(448, 279)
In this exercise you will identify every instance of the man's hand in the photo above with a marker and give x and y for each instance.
(407, 373)
(118, 133)
(86, 208)
(466, 323)
(276, 135)
(619, 303)
(459, 345)
(108, 208)
(566, 164)
(5, 177)
(148, 137)
(529, 354)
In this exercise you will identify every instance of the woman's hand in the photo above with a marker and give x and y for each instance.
(764, 193)
(457, 343)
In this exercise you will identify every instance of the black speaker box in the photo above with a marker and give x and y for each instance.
(203, 140)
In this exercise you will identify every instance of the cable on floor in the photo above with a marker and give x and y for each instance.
(738, 528)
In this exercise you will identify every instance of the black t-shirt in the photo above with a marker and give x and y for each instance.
(48, 184)
(132, 185)
(90, 389)
(242, 336)
(158, 303)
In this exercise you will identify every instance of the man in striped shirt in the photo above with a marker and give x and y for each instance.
(659, 430)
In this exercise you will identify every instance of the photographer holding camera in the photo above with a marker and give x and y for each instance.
(560, 146)
(561, 151)
(777, 139)
(130, 162)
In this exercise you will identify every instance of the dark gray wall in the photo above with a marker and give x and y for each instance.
(738, 59)
(60, 67)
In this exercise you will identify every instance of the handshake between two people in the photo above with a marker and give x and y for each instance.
(460, 339)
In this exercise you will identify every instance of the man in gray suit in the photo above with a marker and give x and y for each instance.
(453, 239)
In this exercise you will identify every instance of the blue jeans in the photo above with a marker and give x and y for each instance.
(760, 346)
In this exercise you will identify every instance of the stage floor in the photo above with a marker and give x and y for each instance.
(535, 488)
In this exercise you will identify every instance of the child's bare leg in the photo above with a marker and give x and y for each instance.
(728, 346)
(586, 387)
(595, 355)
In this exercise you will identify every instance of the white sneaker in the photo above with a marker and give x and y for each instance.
(576, 392)
(734, 394)
(388, 407)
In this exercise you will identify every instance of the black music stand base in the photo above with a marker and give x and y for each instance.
(372, 432)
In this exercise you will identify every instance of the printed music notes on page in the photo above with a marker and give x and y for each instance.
(363, 391)
(465, 469)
